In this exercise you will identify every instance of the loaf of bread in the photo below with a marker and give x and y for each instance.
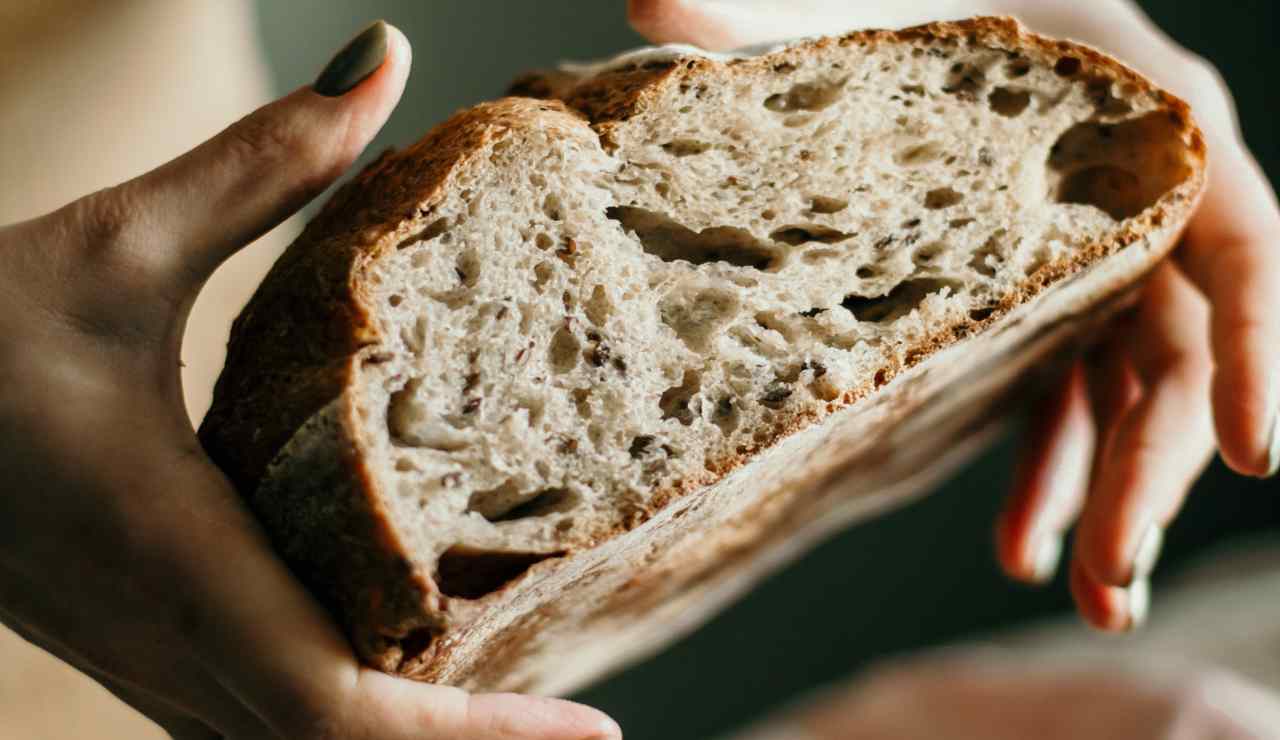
(538, 394)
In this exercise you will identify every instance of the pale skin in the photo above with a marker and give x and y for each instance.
(94, 299)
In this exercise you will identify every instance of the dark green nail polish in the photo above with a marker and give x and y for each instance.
(353, 65)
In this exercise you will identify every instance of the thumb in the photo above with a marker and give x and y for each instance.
(203, 206)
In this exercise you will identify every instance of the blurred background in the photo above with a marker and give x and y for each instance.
(921, 576)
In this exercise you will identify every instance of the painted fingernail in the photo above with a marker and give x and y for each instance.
(1139, 603)
(1048, 554)
(1144, 561)
(361, 57)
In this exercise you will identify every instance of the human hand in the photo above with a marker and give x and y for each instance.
(123, 550)
(1119, 443)
(985, 697)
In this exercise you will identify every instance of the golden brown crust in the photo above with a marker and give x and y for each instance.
(294, 349)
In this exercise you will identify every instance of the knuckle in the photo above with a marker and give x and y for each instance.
(261, 138)
(108, 219)
(268, 140)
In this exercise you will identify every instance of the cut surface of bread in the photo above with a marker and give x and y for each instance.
(541, 392)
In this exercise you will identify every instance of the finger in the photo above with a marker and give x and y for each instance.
(1160, 445)
(183, 219)
(1230, 253)
(1050, 484)
(1104, 607)
(415, 710)
(725, 24)
(1113, 383)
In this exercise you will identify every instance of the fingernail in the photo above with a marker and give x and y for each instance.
(1144, 561)
(1139, 603)
(1048, 554)
(360, 58)
(607, 730)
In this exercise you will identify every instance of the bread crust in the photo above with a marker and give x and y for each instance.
(290, 440)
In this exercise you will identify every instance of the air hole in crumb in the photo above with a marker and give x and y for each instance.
(1109, 188)
(1009, 102)
(899, 302)
(670, 241)
(543, 241)
(940, 198)
(725, 415)
(770, 321)
(541, 503)
(768, 214)
(929, 252)
(410, 422)
(552, 207)
(775, 396)
(434, 229)
(1066, 66)
(562, 353)
(1017, 68)
(468, 268)
(598, 307)
(415, 338)
(796, 235)
(1104, 101)
(541, 274)
(823, 204)
(987, 259)
(964, 81)
(1121, 169)
(469, 573)
(982, 314)
(685, 147)
(405, 465)
(866, 272)
(808, 96)
(813, 256)
(919, 154)
(395, 300)
(679, 402)
(582, 402)
(698, 315)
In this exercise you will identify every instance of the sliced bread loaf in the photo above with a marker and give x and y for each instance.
(541, 392)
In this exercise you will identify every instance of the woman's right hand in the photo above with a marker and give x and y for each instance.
(123, 550)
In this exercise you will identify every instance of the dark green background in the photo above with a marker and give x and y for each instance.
(921, 576)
